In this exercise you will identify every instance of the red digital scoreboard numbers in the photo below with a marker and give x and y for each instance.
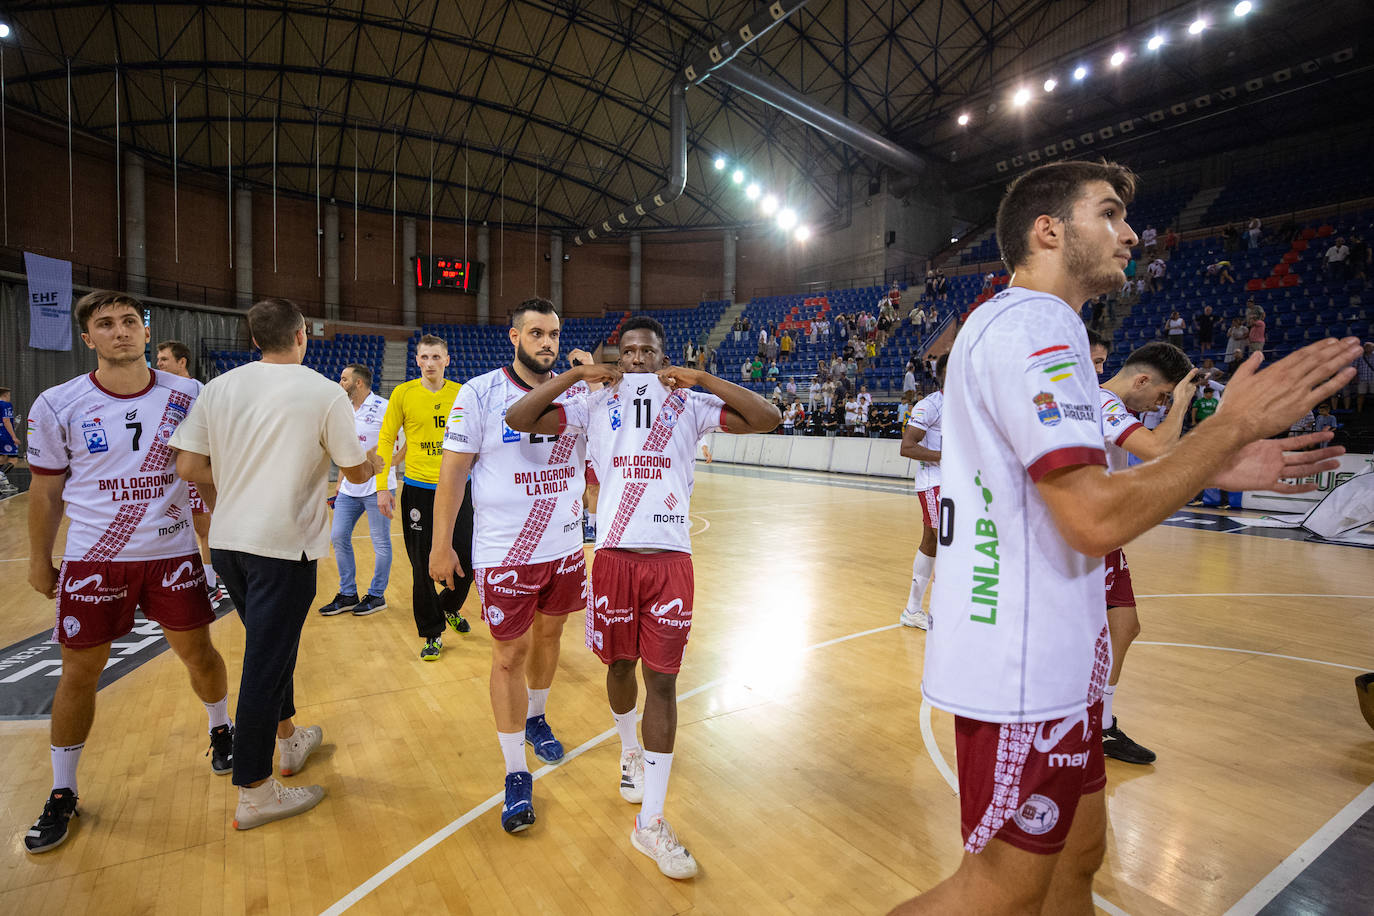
(435, 272)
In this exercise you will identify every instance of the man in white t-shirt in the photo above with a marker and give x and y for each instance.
(258, 445)
(642, 434)
(527, 541)
(99, 444)
(1151, 376)
(1019, 648)
(356, 499)
(921, 443)
(175, 357)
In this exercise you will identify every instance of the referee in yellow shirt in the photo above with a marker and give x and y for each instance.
(421, 406)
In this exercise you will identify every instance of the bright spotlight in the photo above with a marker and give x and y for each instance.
(1197, 26)
(1021, 97)
(4, 30)
(1080, 72)
(963, 120)
(787, 218)
(954, 239)
(1050, 84)
(768, 204)
(1118, 58)
(802, 234)
(1155, 43)
(1243, 7)
(720, 163)
(752, 192)
(737, 177)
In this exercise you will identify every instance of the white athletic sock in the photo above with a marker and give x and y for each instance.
(922, 567)
(211, 579)
(656, 769)
(513, 749)
(538, 700)
(64, 761)
(625, 726)
(591, 519)
(1107, 693)
(218, 712)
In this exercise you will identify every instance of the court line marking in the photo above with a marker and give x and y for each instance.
(397, 865)
(1252, 595)
(1295, 658)
(1286, 871)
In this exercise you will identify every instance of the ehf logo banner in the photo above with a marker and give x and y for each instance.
(50, 302)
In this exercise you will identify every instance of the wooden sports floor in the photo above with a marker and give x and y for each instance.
(802, 782)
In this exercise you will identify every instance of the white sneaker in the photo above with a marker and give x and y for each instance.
(273, 801)
(917, 618)
(660, 843)
(294, 750)
(632, 776)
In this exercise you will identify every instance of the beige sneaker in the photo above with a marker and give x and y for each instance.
(632, 776)
(273, 801)
(295, 750)
(660, 843)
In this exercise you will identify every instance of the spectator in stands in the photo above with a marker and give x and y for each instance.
(785, 345)
(1364, 378)
(1156, 272)
(1256, 336)
(1130, 274)
(763, 342)
(909, 380)
(738, 329)
(840, 328)
(789, 420)
(756, 373)
(1230, 238)
(712, 363)
(1174, 326)
(744, 370)
(813, 330)
(836, 366)
(851, 369)
(745, 320)
(1219, 271)
(1099, 312)
(1253, 230)
(827, 394)
(813, 393)
(930, 284)
(1336, 257)
(777, 397)
(941, 285)
(791, 389)
(1204, 326)
(1209, 376)
(832, 418)
(689, 354)
(917, 319)
(886, 319)
(772, 370)
(852, 415)
(1303, 425)
(987, 281)
(1252, 310)
(823, 369)
(1357, 265)
(905, 404)
(932, 319)
(772, 349)
(1149, 241)
(1170, 242)
(1236, 337)
(1324, 419)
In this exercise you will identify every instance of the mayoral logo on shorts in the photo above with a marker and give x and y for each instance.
(71, 626)
(495, 615)
(1046, 409)
(1037, 815)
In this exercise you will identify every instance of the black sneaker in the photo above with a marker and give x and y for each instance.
(1118, 746)
(51, 829)
(222, 749)
(454, 617)
(430, 650)
(370, 604)
(340, 604)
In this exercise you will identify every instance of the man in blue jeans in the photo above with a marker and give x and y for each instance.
(354, 499)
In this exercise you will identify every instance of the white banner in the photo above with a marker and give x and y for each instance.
(1302, 502)
(50, 302)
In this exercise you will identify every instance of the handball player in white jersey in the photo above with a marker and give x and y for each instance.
(642, 435)
(99, 443)
(527, 554)
(1018, 649)
(921, 442)
(1149, 377)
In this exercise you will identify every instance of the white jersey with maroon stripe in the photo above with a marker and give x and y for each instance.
(926, 415)
(1117, 423)
(123, 497)
(642, 441)
(526, 488)
(367, 420)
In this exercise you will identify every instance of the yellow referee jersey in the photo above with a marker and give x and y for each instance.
(422, 413)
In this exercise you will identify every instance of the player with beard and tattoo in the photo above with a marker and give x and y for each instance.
(1019, 651)
(527, 540)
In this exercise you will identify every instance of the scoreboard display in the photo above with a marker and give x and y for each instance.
(436, 272)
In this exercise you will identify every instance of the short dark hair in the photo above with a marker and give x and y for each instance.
(940, 363)
(429, 340)
(533, 304)
(4, 391)
(1051, 189)
(645, 323)
(1165, 358)
(99, 299)
(179, 350)
(273, 323)
(362, 372)
(1098, 340)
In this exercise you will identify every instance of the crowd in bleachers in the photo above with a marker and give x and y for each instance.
(326, 356)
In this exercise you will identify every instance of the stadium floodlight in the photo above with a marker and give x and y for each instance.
(1243, 7)
(1050, 84)
(787, 218)
(802, 234)
(768, 204)
(953, 239)
(1118, 58)
(1080, 72)
(4, 30)
(737, 177)
(1021, 97)
(963, 120)
(1155, 43)
(720, 163)
(1197, 26)
(752, 191)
